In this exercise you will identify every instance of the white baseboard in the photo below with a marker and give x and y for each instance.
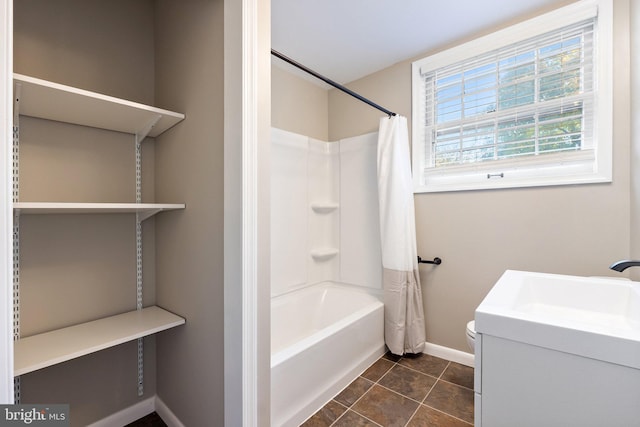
(166, 414)
(139, 410)
(449, 354)
(128, 415)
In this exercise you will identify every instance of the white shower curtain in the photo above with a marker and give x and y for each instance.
(404, 316)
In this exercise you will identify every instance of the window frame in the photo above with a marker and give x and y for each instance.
(580, 167)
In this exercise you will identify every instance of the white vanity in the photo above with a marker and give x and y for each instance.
(554, 350)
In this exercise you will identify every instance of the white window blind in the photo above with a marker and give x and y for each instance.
(520, 110)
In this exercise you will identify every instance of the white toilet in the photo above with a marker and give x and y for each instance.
(471, 334)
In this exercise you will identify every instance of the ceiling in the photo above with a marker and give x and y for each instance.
(345, 40)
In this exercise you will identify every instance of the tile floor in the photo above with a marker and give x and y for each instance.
(151, 420)
(416, 391)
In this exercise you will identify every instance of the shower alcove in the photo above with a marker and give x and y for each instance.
(326, 309)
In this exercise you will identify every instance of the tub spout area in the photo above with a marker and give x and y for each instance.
(621, 266)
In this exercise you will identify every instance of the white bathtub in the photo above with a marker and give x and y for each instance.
(322, 338)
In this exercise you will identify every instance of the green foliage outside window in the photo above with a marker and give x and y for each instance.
(498, 97)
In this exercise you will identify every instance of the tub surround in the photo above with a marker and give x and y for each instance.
(326, 309)
(324, 212)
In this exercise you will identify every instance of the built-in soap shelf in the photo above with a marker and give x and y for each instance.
(324, 207)
(324, 254)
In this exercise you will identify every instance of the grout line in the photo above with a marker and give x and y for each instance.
(446, 413)
(412, 415)
(399, 394)
(366, 418)
(333, 399)
(419, 405)
(434, 384)
(368, 390)
(344, 406)
(444, 370)
(356, 401)
(385, 372)
(355, 412)
(458, 385)
(419, 371)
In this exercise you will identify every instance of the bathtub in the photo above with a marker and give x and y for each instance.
(322, 338)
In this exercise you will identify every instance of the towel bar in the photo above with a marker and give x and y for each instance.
(436, 261)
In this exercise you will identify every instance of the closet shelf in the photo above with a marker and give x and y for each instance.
(145, 210)
(42, 350)
(324, 207)
(52, 101)
(323, 254)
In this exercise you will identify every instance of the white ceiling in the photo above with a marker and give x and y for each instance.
(345, 40)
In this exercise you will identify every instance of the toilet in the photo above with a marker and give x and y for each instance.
(471, 334)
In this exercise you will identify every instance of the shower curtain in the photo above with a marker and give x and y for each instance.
(403, 312)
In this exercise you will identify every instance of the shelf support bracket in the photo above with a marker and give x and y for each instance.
(139, 302)
(139, 219)
(17, 89)
(16, 143)
(16, 297)
(144, 132)
(16, 228)
(147, 214)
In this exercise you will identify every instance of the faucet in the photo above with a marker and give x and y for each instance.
(623, 265)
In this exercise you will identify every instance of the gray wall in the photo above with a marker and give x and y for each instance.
(189, 161)
(480, 234)
(104, 46)
(76, 268)
(298, 105)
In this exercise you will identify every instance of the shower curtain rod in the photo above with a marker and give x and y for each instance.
(331, 82)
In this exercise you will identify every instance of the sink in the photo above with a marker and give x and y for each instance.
(589, 316)
(606, 303)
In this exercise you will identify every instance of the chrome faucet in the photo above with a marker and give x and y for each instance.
(623, 265)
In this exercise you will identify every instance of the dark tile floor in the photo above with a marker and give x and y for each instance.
(151, 420)
(415, 391)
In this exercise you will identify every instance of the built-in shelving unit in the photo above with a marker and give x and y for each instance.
(144, 210)
(47, 349)
(52, 101)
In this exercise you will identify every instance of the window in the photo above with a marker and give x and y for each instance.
(529, 105)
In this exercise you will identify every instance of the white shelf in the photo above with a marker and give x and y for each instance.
(324, 207)
(146, 210)
(39, 351)
(47, 100)
(323, 254)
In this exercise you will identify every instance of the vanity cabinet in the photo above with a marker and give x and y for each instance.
(519, 384)
(42, 99)
(558, 350)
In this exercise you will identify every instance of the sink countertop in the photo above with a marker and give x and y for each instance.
(592, 317)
